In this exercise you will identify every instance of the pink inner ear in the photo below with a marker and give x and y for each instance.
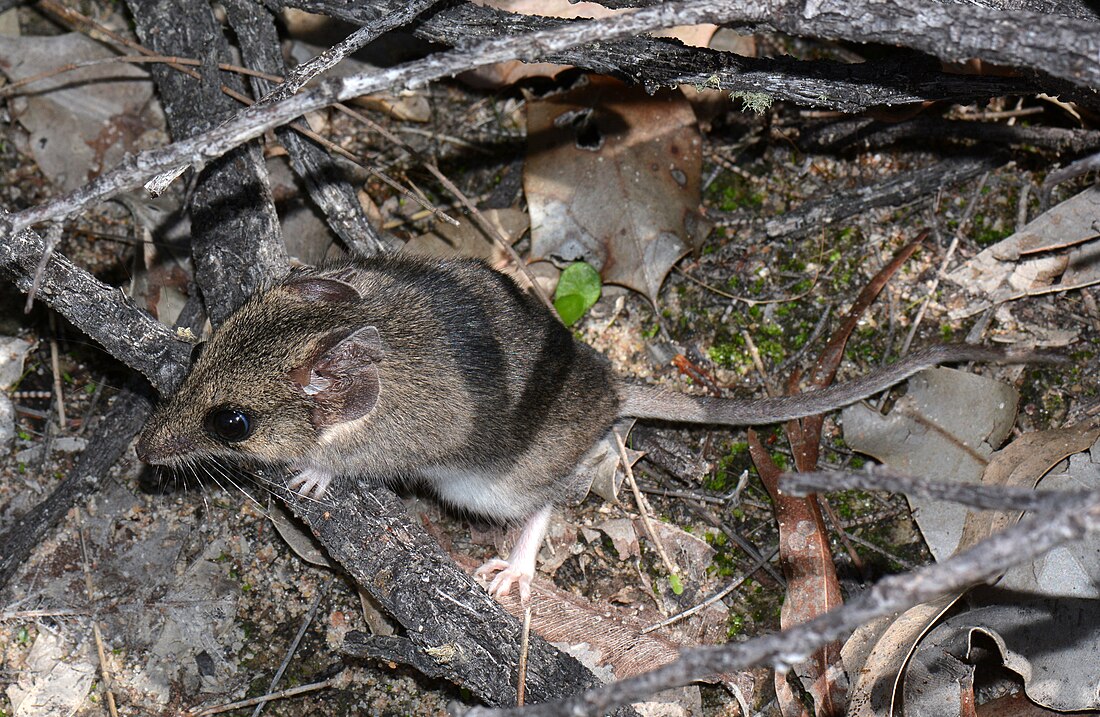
(312, 288)
(342, 378)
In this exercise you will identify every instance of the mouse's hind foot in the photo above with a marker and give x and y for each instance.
(519, 568)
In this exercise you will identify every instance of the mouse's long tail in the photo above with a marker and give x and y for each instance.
(662, 404)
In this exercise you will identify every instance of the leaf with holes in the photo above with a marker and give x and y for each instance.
(613, 179)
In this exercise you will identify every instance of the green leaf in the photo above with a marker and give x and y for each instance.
(677, 586)
(578, 288)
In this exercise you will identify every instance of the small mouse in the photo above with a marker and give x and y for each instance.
(443, 373)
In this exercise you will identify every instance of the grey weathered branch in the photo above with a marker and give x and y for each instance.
(847, 87)
(102, 312)
(254, 121)
(866, 133)
(968, 494)
(474, 643)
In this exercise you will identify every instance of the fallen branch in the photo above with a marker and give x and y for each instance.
(974, 496)
(197, 150)
(102, 312)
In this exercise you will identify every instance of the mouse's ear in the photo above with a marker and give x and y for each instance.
(343, 379)
(316, 288)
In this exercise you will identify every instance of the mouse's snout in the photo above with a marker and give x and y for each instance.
(152, 448)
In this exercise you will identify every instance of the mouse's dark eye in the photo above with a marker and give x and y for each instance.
(227, 424)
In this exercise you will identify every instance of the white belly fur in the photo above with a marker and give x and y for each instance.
(482, 493)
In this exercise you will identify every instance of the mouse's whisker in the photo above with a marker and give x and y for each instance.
(226, 473)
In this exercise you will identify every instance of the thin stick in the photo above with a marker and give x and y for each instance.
(314, 66)
(495, 234)
(50, 242)
(14, 87)
(310, 614)
(757, 362)
(972, 495)
(827, 509)
(524, 644)
(641, 501)
(943, 265)
(55, 365)
(89, 592)
(35, 614)
(715, 597)
(290, 692)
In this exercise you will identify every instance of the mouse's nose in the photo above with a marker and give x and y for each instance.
(154, 449)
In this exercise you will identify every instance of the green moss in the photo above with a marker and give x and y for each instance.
(736, 624)
(728, 470)
(988, 231)
(731, 354)
(731, 192)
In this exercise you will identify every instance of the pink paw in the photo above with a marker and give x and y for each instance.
(507, 574)
(310, 483)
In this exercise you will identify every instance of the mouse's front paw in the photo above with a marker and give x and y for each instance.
(507, 574)
(310, 482)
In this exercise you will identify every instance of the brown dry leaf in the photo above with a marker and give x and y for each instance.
(613, 178)
(614, 639)
(1023, 462)
(297, 537)
(876, 680)
(1041, 620)
(812, 588)
(1056, 251)
(624, 536)
(688, 552)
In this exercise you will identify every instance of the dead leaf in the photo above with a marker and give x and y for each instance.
(613, 178)
(1056, 251)
(13, 353)
(610, 638)
(1023, 463)
(947, 425)
(691, 554)
(56, 678)
(1071, 570)
(875, 681)
(599, 470)
(1052, 644)
(297, 537)
(84, 121)
(885, 669)
(378, 622)
(623, 536)
(812, 588)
